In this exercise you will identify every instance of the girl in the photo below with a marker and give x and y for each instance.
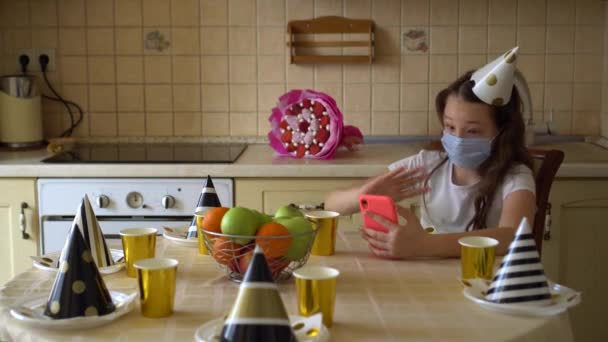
(480, 183)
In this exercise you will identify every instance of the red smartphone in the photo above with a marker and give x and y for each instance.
(377, 204)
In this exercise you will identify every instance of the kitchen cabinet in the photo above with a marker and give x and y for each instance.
(576, 254)
(14, 250)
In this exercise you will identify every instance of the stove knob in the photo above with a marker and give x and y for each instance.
(102, 201)
(167, 201)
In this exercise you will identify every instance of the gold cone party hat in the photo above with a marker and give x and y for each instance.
(206, 200)
(258, 313)
(79, 289)
(521, 277)
(86, 221)
(494, 81)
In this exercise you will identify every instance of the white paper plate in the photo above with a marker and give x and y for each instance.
(210, 331)
(49, 262)
(178, 236)
(31, 313)
(562, 298)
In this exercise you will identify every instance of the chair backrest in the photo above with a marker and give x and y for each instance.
(546, 164)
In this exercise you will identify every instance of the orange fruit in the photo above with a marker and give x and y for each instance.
(225, 251)
(273, 247)
(213, 220)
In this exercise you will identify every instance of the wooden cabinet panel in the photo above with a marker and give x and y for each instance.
(14, 250)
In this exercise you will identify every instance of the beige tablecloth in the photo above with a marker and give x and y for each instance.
(377, 300)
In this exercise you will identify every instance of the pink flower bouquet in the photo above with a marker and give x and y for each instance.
(309, 124)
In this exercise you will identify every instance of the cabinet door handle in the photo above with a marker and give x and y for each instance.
(23, 222)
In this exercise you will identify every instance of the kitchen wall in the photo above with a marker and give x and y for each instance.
(216, 67)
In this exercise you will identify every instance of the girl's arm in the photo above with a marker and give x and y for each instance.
(410, 240)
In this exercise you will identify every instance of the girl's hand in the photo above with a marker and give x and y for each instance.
(401, 241)
(398, 184)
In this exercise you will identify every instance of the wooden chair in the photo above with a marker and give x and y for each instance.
(546, 164)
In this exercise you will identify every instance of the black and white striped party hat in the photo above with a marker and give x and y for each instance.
(79, 289)
(521, 277)
(258, 313)
(206, 200)
(86, 221)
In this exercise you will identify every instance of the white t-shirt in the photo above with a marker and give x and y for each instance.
(450, 207)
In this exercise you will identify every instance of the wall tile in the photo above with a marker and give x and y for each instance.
(158, 98)
(415, 69)
(103, 124)
(590, 12)
(128, 13)
(385, 97)
(185, 41)
(186, 69)
(159, 124)
(241, 12)
(72, 41)
(300, 9)
(357, 9)
(129, 69)
(298, 73)
(435, 127)
(532, 66)
(157, 69)
(215, 97)
(77, 93)
(502, 12)
(560, 12)
(157, 12)
(585, 123)
(531, 39)
(130, 98)
(102, 98)
(500, 39)
(472, 40)
(186, 97)
(326, 72)
(243, 124)
(589, 39)
(243, 98)
(216, 124)
(386, 69)
(101, 69)
(388, 41)
(473, 12)
(531, 12)
(185, 12)
(537, 90)
(387, 12)
(587, 97)
(357, 97)
(268, 95)
(328, 7)
(271, 41)
(334, 90)
(271, 12)
(100, 12)
(361, 120)
(214, 12)
(444, 39)
(187, 124)
(129, 41)
(443, 68)
(560, 39)
(414, 97)
(357, 73)
(71, 12)
(243, 69)
(434, 89)
(132, 124)
(40, 10)
(415, 12)
(587, 68)
(442, 12)
(559, 68)
(413, 123)
(100, 41)
(385, 123)
(242, 41)
(270, 69)
(73, 69)
(214, 41)
(558, 96)
(45, 38)
(214, 69)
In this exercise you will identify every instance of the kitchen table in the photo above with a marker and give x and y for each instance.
(377, 300)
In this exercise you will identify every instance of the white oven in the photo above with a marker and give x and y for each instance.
(121, 203)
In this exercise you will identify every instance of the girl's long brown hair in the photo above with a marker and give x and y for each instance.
(508, 148)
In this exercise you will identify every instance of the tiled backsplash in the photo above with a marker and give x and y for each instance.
(216, 67)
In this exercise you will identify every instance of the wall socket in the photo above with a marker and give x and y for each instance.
(34, 54)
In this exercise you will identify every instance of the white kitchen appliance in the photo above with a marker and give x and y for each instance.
(120, 204)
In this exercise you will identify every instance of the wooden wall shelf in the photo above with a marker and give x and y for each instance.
(330, 25)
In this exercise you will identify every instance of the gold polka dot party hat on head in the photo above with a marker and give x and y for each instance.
(258, 313)
(206, 200)
(79, 289)
(521, 277)
(87, 223)
(494, 81)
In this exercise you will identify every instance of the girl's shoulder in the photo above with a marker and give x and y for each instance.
(520, 177)
(427, 159)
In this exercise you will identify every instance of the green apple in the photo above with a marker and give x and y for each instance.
(299, 244)
(263, 218)
(240, 221)
(288, 211)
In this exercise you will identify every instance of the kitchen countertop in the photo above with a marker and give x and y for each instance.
(583, 160)
(376, 300)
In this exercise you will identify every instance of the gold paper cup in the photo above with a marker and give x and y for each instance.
(202, 248)
(326, 224)
(156, 282)
(316, 289)
(137, 243)
(477, 256)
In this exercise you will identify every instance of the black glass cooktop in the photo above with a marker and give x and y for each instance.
(150, 153)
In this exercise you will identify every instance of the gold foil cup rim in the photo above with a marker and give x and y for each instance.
(478, 242)
(155, 264)
(316, 273)
(321, 214)
(138, 231)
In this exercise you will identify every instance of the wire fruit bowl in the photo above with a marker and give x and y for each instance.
(234, 257)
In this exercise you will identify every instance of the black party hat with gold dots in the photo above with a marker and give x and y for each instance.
(90, 230)
(258, 313)
(79, 289)
(206, 200)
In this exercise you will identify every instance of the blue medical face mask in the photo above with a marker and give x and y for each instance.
(468, 153)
